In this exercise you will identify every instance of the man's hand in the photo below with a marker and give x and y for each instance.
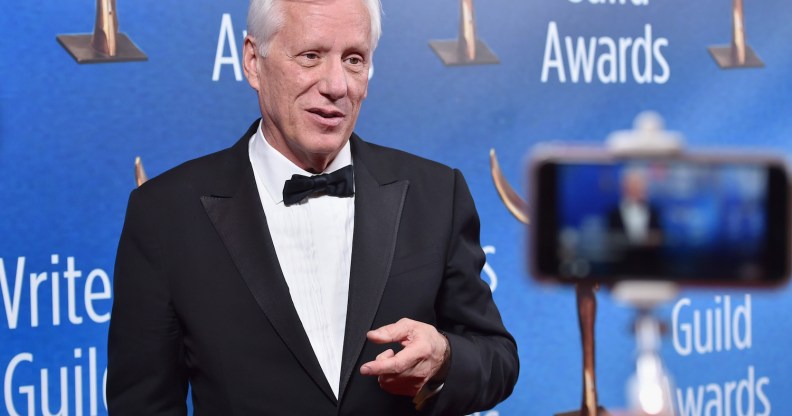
(423, 357)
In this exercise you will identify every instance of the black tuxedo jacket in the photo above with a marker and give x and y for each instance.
(616, 220)
(200, 298)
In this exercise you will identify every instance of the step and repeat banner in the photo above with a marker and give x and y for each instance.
(572, 70)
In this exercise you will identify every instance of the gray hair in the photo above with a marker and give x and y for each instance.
(265, 19)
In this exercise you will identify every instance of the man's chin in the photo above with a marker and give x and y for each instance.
(330, 142)
(323, 146)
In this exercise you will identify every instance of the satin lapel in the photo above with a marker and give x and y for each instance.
(242, 226)
(378, 211)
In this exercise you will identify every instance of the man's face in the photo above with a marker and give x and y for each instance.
(635, 187)
(314, 78)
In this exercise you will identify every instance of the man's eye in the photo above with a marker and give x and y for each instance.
(311, 56)
(355, 60)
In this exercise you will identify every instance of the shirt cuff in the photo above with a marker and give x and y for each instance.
(425, 394)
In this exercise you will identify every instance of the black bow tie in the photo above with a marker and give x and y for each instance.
(338, 183)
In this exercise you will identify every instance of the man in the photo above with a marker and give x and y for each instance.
(279, 299)
(634, 226)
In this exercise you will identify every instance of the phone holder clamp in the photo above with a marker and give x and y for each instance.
(649, 389)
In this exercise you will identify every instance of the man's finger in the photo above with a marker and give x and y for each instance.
(395, 332)
(395, 364)
(385, 354)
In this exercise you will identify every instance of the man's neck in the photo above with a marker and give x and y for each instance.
(313, 163)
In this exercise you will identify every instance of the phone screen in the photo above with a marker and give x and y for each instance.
(679, 220)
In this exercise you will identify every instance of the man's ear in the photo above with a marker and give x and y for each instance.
(250, 56)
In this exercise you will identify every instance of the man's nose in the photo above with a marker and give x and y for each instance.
(333, 84)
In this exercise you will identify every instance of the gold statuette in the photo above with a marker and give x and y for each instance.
(738, 54)
(467, 49)
(140, 173)
(586, 300)
(106, 43)
(513, 202)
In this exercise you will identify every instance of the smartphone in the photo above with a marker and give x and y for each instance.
(710, 219)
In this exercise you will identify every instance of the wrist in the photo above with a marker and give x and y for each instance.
(440, 376)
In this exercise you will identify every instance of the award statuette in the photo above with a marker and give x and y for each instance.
(467, 49)
(586, 300)
(738, 54)
(140, 173)
(106, 43)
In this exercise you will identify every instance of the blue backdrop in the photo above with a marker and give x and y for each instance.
(570, 69)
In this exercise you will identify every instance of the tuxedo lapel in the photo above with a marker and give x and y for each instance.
(240, 221)
(378, 208)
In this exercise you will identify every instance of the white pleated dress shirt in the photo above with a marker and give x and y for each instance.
(313, 242)
(635, 216)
